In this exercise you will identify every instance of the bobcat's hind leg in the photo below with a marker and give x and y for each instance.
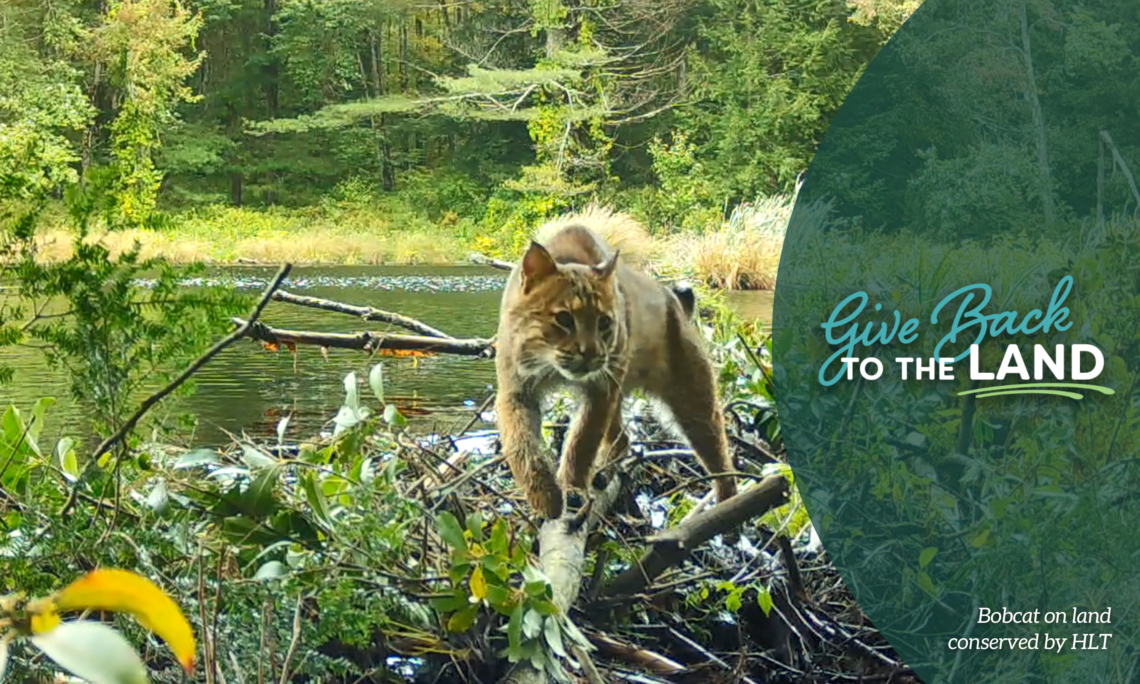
(693, 401)
(520, 430)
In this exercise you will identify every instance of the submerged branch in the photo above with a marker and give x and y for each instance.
(369, 341)
(366, 313)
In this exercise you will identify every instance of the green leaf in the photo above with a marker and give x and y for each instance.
(68, 462)
(450, 531)
(159, 499)
(393, 417)
(271, 570)
(316, 499)
(282, 425)
(544, 606)
(926, 556)
(258, 498)
(450, 602)
(462, 620)
(927, 584)
(500, 599)
(499, 540)
(255, 458)
(475, 527)
(764, 598)
(39, 409)
(575, 635)
(980, 540)
(553, 634)
(514, 629)
(92, 651)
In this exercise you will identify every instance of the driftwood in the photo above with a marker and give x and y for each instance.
(673, 545)
(370, 341)
(366, 313)
(562, 558)
(484, 260)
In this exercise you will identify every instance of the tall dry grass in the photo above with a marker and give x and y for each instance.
(743, 253)
(318, 236)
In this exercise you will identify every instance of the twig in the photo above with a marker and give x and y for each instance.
(366, 313)
(294, 642)
(642, 658)
(1116, 156)
(193, 368)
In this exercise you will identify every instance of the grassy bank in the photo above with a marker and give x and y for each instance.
(741, 252)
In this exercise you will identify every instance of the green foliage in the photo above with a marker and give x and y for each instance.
(767, 79)
(686, 197)
(493, 571)
(91, 316)
(142, 41)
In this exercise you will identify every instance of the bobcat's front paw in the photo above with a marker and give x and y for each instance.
(575, 500)
(577, 509)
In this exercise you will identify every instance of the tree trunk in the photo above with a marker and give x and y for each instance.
(1038, 120)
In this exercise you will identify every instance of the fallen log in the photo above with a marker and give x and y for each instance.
(366, 313)
(370, 341)
(673, 545)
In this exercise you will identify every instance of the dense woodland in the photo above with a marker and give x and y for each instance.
(479, 115)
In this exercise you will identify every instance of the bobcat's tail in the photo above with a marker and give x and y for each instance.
(684, 292)
(619, 231)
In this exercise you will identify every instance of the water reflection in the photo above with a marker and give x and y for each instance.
(250, 389)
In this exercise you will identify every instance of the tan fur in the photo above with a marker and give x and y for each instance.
(617, 231)
(572, 273)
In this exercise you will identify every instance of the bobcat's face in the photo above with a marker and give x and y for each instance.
(575, 323)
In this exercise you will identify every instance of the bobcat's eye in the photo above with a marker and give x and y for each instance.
(604, 323)
(564, 319)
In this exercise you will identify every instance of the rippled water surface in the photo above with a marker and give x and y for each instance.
(248, 388)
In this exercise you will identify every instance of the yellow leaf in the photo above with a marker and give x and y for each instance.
(478, 583)
(126, 592)
(45, 621)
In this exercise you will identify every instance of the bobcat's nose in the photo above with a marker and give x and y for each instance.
(587, 361)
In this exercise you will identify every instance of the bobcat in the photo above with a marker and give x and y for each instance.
(574, 315)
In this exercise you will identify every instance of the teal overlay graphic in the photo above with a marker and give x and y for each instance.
(956, 340)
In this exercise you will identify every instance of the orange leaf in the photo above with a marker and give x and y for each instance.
(404, 353)
(270, 346)
(126, 592)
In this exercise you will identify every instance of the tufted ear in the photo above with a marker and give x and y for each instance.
(537, 265)
(606, 268)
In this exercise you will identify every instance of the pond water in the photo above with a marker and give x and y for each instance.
(249, 389)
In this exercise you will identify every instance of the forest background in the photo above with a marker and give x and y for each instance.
(407, 131)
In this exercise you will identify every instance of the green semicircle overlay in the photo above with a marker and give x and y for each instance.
(968, 237)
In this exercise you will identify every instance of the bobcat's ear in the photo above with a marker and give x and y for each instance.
(606, 268)
(537, 265)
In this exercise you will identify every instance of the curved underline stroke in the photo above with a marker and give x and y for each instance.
(1059, 393)
(1070, 385)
